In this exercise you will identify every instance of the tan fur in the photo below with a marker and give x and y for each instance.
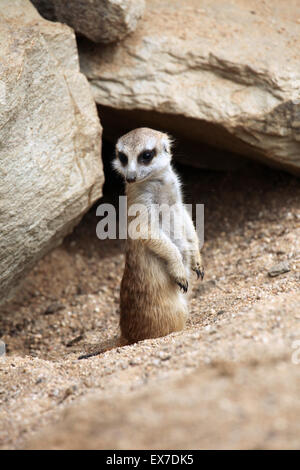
(150, 302)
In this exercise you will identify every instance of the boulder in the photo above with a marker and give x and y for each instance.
(223, 73)
(102, 21)
(50, 163)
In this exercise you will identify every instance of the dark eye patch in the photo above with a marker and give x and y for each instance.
(146, 156)
(123, 158)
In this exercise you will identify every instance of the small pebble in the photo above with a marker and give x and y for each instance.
(53, 308)
(163, 356)
(279, 268)
(135, 362)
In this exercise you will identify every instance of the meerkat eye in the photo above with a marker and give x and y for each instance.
(123, 158)
(146, 156)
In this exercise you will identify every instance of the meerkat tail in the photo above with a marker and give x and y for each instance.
(107, 345)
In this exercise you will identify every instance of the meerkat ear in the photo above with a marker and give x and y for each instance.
(115, 163)
(167, 142)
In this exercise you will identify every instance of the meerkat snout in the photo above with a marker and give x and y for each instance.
(131, 177)
(153, 299)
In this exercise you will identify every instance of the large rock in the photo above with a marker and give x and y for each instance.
(227, 74)
(102, 21)
(50, 136)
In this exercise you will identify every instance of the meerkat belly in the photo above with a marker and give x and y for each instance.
(151, 305)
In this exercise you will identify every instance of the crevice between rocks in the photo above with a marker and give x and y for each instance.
(196, 143)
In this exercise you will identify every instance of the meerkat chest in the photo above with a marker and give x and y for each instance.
(156, 193)
(162, 201)
(168, 207)
(168, 193)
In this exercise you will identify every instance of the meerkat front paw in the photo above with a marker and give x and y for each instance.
(178, 274)
(183, 284)
(197, 265)
(199, 270)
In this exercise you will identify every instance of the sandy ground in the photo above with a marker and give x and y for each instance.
(231, 379)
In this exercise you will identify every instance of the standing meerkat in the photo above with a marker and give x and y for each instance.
(159, 262)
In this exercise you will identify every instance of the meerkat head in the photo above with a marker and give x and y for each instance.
(142, 154)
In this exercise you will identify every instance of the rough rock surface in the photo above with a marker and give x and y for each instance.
(224, 73)
(50, 163)
(230, 380)
(102, 21)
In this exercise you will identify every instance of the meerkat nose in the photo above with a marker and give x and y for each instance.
(131, 177)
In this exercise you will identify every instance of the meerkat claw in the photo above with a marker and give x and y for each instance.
(200, 272)
(183, 285)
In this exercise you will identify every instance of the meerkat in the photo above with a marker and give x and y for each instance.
(158, 264)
